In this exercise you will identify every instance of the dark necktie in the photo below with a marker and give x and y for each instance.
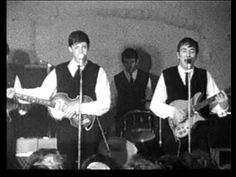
(186, 79)
(77, 73)
(131, 79)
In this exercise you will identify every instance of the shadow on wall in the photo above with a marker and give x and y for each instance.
(145, 64)
(20, 57)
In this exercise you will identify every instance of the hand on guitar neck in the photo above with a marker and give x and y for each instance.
(180, 124)
(13, 104)
(222, 100)
(60, 106)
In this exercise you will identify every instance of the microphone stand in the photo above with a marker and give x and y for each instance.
(189, 107)
(160, 134)
(80, 118)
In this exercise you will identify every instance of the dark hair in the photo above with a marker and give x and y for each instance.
(78, 36)
(36, 159)
(102, 159)
(189, 41)
(199, 160)
(129, 53)
(138, 162)
(8, 49)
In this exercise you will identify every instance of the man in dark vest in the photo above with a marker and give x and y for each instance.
(133, 88)
(65, 78)
(172, 86)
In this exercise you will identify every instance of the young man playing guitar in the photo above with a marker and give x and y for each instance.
(172, 88)
(61, 91)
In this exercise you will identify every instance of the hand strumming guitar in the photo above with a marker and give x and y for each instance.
(72, 111)
(179, 116)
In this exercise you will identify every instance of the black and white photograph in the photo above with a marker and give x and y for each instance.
(118, 85)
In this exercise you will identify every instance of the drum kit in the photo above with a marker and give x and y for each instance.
(139, 127)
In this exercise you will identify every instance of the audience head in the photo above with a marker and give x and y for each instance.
(47, 159)
(198, 160)
(138, 162)
(100, 162)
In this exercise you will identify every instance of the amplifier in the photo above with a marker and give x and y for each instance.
(26, 146)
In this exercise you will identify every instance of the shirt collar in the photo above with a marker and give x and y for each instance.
(182, 71)
(134, 74)
(73, 66)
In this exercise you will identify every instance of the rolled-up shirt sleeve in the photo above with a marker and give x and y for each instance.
(103, 94)
(212, 89)
(45, 91)
(158, 105)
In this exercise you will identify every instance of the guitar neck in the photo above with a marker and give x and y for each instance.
(35, 100)
(204, 103)
(210, 100)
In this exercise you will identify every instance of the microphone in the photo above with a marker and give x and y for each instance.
(189, 62)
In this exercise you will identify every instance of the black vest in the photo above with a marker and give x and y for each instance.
(176, 90)
(67, 84)
(130, 96)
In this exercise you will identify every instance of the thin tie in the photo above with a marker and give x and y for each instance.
(77, 73)
(131, 79)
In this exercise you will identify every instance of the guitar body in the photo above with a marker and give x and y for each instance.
(60, 101)
(57, 106)
(182, 129)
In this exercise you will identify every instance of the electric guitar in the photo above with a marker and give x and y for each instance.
(182, 129)
(57, 106)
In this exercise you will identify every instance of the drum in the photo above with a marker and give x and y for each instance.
(118, 149)
(138, 126)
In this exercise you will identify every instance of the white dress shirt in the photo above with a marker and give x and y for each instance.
(102, 90)
(163, 110)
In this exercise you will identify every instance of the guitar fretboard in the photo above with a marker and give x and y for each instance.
(199, 106)
(204, 103)
(35, 100)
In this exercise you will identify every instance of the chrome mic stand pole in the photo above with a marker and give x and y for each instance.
(160, 129)
(80, 119)
(189, 106)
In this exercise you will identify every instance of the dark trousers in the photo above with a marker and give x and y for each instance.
(68, 143)
(11, 146)
(199, 139)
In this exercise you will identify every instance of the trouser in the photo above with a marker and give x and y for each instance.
(199, 139)
(68, 143)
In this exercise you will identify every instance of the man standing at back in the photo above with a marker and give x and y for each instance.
(133, 87)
